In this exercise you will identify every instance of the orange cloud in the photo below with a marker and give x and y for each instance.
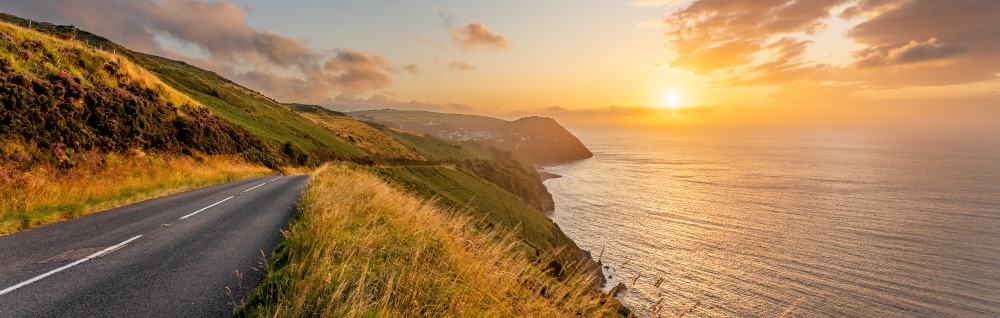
(905, 42)
(475, 34)
(472, 35)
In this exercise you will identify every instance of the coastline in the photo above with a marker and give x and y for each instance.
(604, 277)
(545, 175)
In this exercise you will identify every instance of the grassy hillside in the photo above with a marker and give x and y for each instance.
(252, 111)
(378, 145)
(440, 150)
(536, 140)
(425, 120)
(490, 206)
(82, 129)
(361, 248)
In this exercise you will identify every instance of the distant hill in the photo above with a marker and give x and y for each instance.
(538, 140)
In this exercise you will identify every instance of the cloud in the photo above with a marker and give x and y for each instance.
(903, 42)
(280, 65)
(355, 71)
(475, 34)
(461, 66)
(472, 35)
(913, 52)
(925, 42)
(711, 35)
(412, 68)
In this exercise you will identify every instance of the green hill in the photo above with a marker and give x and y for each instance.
(537, 140)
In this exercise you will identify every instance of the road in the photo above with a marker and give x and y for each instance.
(192, 254)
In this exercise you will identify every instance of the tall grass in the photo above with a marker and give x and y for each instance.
(38, 194)
(360, 247)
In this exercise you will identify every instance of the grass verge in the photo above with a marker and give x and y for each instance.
(360, 247)
(44, 194)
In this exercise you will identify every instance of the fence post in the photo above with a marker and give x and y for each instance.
(29, 24)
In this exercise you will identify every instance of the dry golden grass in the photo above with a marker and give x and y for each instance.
(43, 194)
(360, 247)
(373, 141)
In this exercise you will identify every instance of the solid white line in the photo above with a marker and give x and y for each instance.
(258, 186)
(49, 273)
(206, 208)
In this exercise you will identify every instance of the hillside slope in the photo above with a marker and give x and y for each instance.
(292, 139)
(362, 248)
(377, 144)
(535, 139)
(83, 129)
(58, 92)
(492, 208)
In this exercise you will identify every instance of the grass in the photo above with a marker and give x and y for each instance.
(262, 116)
(420, 119)
(376, 143)
(44, 193)
(439, 150)
(362, 248)
(492, 207)
(42, 55)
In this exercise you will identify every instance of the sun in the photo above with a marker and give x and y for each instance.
(672, 99)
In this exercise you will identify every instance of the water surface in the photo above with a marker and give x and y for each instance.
(809, 224)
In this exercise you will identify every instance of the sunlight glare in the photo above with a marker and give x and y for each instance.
(673, 100)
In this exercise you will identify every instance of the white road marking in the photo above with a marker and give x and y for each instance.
(205, 208)
(49, 273)
(258, 186)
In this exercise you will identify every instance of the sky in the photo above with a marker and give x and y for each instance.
(639, 62)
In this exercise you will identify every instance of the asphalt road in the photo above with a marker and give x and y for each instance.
(192, 254)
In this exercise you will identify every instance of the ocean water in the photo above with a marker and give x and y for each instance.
(803, 224)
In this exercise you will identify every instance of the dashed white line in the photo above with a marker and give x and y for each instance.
(49, 273)
(258, 186)
(205, 208)
(112, 248)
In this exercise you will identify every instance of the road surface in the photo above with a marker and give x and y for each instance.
(192, 254)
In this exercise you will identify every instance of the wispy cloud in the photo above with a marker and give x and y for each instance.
(461, 66)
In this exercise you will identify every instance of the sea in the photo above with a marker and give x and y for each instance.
(789, 223)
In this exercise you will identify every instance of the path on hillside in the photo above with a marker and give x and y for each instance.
(173, 256)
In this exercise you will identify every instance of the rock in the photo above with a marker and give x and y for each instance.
(618, 290)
